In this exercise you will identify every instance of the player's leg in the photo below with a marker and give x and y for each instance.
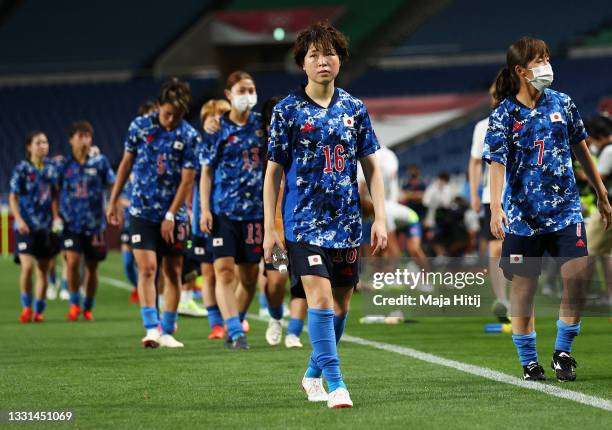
(171, 269)
(53, 285)
(64, 293)
(225, 284)
(94, 251)
(245, 291)
(262, 283)
(215, 320)
(498, 281)
(146, 261)
(73, 278)
(190, 271)
(414, 247)
(27, 263)
(275, 293)
(42, 281)
(297, 315)
(129, 267)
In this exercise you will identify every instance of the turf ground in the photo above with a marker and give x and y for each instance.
(100, 371)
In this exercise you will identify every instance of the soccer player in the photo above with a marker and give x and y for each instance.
(83, 180)
(31, 187)
(532, 133)
(210, 116)
(159, 150)
(498, 282)
(232, 175)
(275, 281)
(317, 135)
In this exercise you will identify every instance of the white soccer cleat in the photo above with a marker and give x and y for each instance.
(339, 398)
(314, 389)
(274, 333)
(292, 341)
(151, 339)
(168, 341)
(52, 291)
(191, 309)
(64, 294)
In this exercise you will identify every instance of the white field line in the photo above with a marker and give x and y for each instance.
(552, 390)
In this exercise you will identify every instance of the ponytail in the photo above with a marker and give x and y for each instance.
(506, 85)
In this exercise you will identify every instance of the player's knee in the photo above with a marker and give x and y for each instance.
(225, 275)
(147, 270)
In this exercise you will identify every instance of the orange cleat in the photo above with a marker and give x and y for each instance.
(73, 314)
(39, 318)
(217, 332)
(26, 315)
(134, 296)
(88, 315)
(245, 326)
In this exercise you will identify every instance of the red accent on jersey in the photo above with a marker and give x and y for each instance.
(149, 138)
(517, 127)
(307, 128)
(231, 139)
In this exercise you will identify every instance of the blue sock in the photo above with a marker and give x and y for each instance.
(52, 277)
(75, 298)
(26, 300)
(565, 335)
(276, 313)
(129, 267)
(323, 340)
(526, 346)
(295, 326)
(149, 317)
(263, 301)
(339, 325)
(40, 305)
(64, 284)
(242, 316)
(234, 328)
(168, 322)
(214, 316)
(89, 303)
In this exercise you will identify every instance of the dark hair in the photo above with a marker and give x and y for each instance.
(146, 107)
(236, 77)
(80, 127)
(598, 126)
(177, 93)
(325, 37)
(29, 138)
(520, 53)
(266, 110)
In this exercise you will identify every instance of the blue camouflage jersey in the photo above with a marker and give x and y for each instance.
(159, 158)
(235, 158)
(33, 189)
(127, 191)
(535, 146)
(202, 153)
(318, 149)
(82, 190)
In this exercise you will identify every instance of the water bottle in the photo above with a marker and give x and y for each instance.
(279, 259)
(498, 328)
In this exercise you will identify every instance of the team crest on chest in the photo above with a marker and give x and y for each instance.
(556, 117)
(178, 145)
(348, 121)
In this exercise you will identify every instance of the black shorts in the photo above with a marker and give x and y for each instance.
(485, 223)
(39, 244)
(125, 237)
(201, 249)
(239, 239)
(522, 255)
(340, 266)
(190, 269)
(147, 235)
(92, 246)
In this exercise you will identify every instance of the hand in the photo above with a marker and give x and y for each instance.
(271, 238)
(211, 125)
(605, 211)
(206, 222)
(378, 237)
(167, 231)
(112, 214)
(498, 218)
(22, 227)
(57, 226)
(475, 203)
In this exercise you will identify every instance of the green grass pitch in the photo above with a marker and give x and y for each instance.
(100, 371)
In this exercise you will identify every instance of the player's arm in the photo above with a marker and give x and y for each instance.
(206, 219)
(274, 174)
(474, 175)
(581, 151)
(22, 227)
(123, 172)
(167, 226)
(498, 217)
(374, 180)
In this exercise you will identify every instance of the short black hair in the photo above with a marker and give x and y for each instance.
(325, 37)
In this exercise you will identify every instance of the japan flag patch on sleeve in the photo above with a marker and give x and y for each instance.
(556, 117)
(314, 260)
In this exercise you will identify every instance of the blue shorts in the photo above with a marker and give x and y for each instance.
(413, 230)
(239, 239)
(522, 255)
(340, 266)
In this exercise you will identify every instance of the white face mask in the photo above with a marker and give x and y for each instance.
(542, 77)
(244, 102)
